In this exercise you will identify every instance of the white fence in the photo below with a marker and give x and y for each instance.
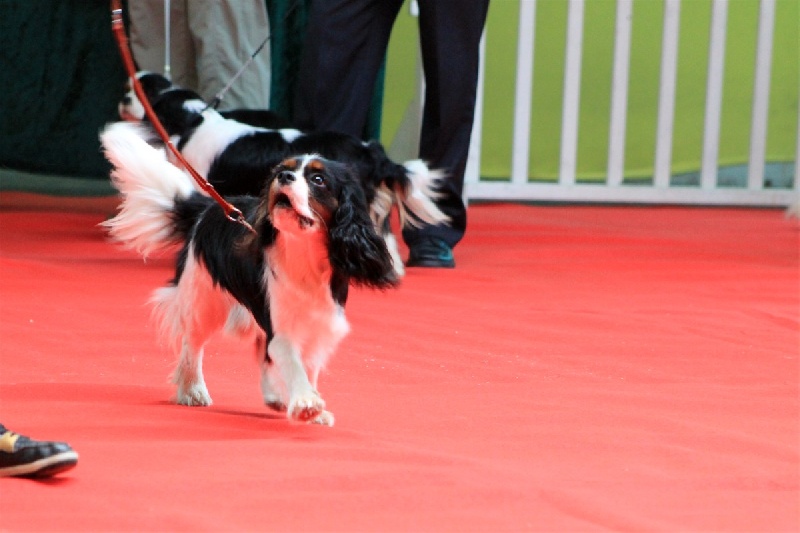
(613, 189)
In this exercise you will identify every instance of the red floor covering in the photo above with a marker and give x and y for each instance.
(584, 368)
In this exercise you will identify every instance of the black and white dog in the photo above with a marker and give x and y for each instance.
(284, 287)
(236, 157)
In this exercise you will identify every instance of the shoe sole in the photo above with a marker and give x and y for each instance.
(426, 263)
(46, 467)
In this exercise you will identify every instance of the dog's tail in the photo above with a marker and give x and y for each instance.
(412, 186)
(416, 198)
(150, 187)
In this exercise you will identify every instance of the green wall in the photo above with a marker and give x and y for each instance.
(599, 21)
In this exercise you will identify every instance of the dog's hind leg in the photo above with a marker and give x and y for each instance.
(191, 312)
(199, 323)
(188, 376)
(172, 319)
(305, 403)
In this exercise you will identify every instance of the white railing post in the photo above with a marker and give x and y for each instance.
(572, 94)
(473, 171)
(666, 96)
(619, 93)
(716, 70)
(758, 130)
(523, 91)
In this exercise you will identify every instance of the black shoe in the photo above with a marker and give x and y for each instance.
(23, 456)
(430, 252)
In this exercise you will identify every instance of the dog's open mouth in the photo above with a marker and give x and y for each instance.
(282, 201)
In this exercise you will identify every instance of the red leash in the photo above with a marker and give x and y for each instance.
(118, 26)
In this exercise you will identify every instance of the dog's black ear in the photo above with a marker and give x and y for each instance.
(356, 250)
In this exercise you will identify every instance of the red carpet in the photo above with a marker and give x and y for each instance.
(584, 368)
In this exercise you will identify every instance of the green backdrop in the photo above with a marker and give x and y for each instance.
(60, 80)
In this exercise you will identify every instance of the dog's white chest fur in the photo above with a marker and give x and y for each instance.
(301, 305)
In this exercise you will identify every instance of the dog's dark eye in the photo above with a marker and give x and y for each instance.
(318, 179)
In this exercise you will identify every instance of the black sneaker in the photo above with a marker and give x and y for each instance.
(430, 252)
(23, 456)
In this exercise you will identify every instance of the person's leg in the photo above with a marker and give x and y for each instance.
(225, 34)
(345, 44)
(147, 34)
(148, 40)
(450, 34)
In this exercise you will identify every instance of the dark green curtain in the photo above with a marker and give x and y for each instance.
(60, 81)
(287, 20)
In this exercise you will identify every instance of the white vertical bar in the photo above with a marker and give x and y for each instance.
(520, 152)
(473, 171)
(666, 98)
(758, 131)
(716, 69)
(619, 93)
(797, 155)
(572, 94)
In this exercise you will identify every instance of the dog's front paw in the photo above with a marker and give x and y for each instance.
(325, 418)
(306, 407)
(194, 395)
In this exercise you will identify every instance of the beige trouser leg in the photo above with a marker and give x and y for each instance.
(210, 40)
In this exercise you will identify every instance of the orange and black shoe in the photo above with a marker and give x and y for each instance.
(23, 456)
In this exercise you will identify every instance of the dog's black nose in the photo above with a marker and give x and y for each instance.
(285, 177)
(126, 100)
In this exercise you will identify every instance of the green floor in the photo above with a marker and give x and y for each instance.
(52, 184)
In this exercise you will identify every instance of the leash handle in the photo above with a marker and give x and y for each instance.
(118, 27)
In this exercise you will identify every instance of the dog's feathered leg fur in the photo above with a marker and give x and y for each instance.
(190, 312)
